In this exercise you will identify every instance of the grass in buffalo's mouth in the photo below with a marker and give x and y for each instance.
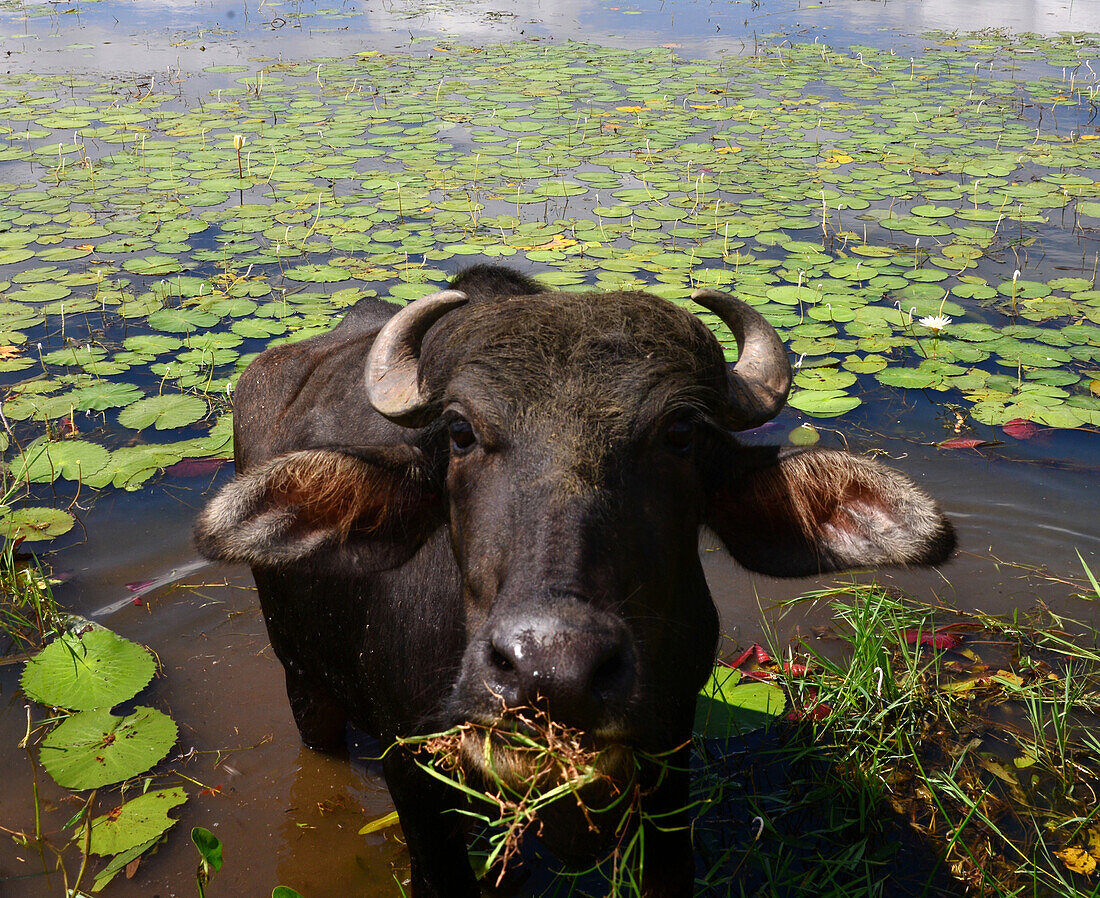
(516, 771)
(924, 752)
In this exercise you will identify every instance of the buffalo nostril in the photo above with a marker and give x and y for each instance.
(500, 661)
(609, 673)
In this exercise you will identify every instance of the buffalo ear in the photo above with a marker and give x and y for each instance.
(330, 509)
(795, 513)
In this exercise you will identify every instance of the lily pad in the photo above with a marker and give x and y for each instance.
(95, 669)
(725, 707)
(824, 403)
(44, 462)
(94, 748)
(163, 412)
(33, 524)
(135, 823)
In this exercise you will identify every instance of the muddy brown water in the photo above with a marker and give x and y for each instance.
(288, 815)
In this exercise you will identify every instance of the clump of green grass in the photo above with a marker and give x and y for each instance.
(29, 614)
(979, 736)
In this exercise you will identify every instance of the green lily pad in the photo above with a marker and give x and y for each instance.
(317, 274)
(823, 403)
(135, 823)
(94, 748)
(33, 524)
(104, 394)
(726, 708)
(909, 378)
(44, 462)
(95, 669)
(163, 412)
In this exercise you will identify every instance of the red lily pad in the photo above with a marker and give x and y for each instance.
(756, 652)
(942, 638)
(195, 467)
(1020, 429)
(964, 443)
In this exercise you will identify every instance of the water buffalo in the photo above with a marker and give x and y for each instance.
(491, 499)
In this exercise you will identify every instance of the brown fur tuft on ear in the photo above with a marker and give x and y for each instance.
(319, 506)
(819, 510)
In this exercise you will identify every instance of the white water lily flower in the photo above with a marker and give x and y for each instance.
(935, 323)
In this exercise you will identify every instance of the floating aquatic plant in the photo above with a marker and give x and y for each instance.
(95, 748)
(86, 670)
(142, 266)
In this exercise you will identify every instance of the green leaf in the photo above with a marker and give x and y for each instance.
(136, 822)
(804, 435)
(909, 378)
(33, 524)
(96, 669)
(824, 403)
(104, 395)
(119, 862)
(725, 707)
(318, 274)
(163, 412)
(95, 748)
(284, 892)
(387, 820)
(44, 462)
(209, 846)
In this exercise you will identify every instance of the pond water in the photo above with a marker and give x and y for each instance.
(850, 167)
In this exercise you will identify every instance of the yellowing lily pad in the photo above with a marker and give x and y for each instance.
(135, 823)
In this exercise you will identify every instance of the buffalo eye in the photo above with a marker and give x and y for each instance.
(462, 435)
(680, 436)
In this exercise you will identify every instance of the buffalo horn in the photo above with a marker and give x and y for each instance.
(392, 365)
(761, 379)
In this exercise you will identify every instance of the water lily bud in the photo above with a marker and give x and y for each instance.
(238, 141)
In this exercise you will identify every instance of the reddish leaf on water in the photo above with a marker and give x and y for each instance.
(795, 670)
(963, 443)
(1020, 429)
(818, 712)
(942, 638)
(195, 467)
(740, 659)
(812, 709)
(755, 652)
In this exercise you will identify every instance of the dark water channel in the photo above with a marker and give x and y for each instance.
(1024, 508)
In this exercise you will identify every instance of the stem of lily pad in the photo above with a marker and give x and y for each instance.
(87, 844)
(26, 745)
